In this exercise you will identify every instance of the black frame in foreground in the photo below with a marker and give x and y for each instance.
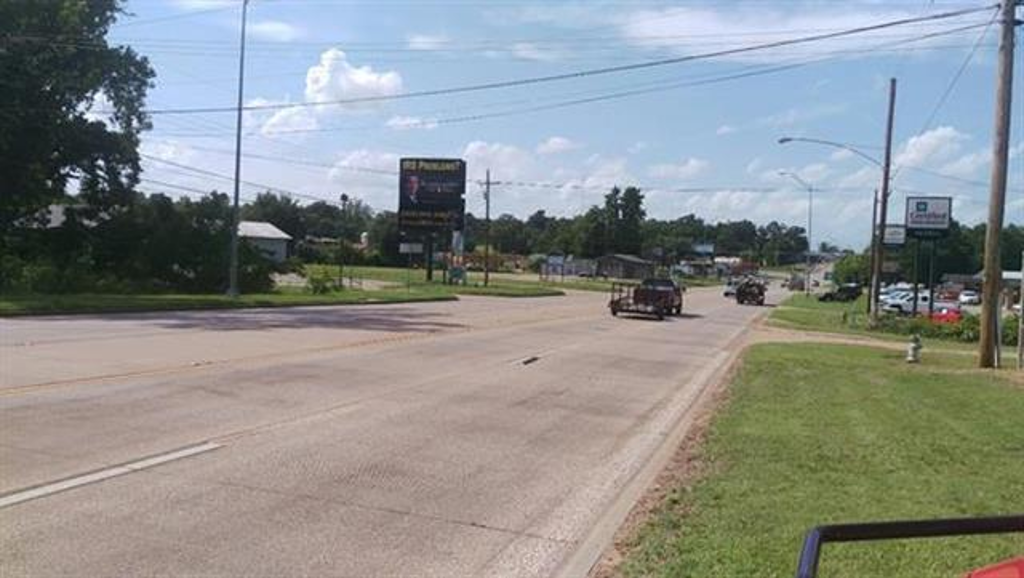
(811, 552)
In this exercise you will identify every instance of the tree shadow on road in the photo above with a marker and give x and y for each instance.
(364, 318)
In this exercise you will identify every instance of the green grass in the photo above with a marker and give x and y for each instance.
(498, 286)
(807, 313)
(501, 284)
(817, 434)
(35, 304)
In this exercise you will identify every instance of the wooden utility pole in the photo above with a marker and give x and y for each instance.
(487, 229)
(992, 283)
(233, 289)
(876, 273)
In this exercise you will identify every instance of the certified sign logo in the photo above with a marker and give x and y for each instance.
(928, 217)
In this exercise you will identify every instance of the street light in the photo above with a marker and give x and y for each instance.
(876, 228)
(341, 241)
(810, 213)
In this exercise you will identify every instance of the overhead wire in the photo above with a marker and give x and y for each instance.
(592, 72)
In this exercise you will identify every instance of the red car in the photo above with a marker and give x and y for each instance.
(947, 315)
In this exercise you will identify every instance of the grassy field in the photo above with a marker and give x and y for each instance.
(499, 286)
(95, 303)
(818, 434)
(802, 312)
(510, 282)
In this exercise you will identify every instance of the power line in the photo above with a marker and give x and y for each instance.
(653, 87)
(222, 177)
(956, 77)
(584, 73)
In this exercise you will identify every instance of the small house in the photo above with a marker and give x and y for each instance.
(619, 266)
(267, 238)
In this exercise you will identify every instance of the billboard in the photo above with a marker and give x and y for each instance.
(894, 236)
(929, 217)
(431, 195)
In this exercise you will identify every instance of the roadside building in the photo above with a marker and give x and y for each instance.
(270, 240)
(619, 266)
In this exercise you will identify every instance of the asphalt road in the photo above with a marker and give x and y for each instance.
(485, 437)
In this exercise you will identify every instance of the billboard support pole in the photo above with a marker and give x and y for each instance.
(917, 276)
(487, 229)
(430, 257)
(931, 279)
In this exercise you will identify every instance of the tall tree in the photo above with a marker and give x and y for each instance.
(57, 70)
(628, 233)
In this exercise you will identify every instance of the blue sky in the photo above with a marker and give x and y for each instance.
(714, 139)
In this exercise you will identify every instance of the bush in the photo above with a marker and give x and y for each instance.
(967, 330)
(319, 281)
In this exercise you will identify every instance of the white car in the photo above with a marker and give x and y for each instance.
(968, 297)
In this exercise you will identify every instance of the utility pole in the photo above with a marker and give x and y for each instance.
(810, 246)
(987, 355)
(876, 272)
(233, 271)
(341, 240)
(487, 229)
(871, 251)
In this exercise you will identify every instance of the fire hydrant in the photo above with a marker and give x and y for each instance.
(914, 349)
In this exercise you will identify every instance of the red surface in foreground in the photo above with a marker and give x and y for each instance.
(1009, 569)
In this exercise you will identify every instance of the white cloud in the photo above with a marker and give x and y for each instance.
(168, 150)
(366, 174)
(530, 51)
(334, 78)
(637, 147)
(555, 145)
(203, 4)
(426, 41)
(968, 165)
(508, 161)
(400, 122)
(274, 30)
(288, 120)
(725, 129)
(794, 116)
(840, 155)
(689, 29)
(684, 170)
(92, 113)
(754, 165)
(933, 146)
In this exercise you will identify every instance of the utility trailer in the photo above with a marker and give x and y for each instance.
(655, 297)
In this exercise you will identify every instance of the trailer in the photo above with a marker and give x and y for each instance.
(655, 297)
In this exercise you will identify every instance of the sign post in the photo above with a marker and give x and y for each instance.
(928, 219)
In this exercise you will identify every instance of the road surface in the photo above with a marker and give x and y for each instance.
(485, 437)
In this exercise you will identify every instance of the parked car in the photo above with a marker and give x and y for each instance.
(969, 297)
(947, 315)
(846, 292)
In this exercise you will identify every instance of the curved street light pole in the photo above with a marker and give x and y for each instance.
(881, 199)
(810, 212)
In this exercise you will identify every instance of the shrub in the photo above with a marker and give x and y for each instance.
(319, 281)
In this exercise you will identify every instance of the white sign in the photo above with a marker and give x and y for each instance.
(407, 248)
(929, 213)
(894, 235)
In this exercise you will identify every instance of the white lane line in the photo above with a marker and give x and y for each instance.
(104, 474)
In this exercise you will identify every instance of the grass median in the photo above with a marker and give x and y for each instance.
(34, 304)
(815, 434)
